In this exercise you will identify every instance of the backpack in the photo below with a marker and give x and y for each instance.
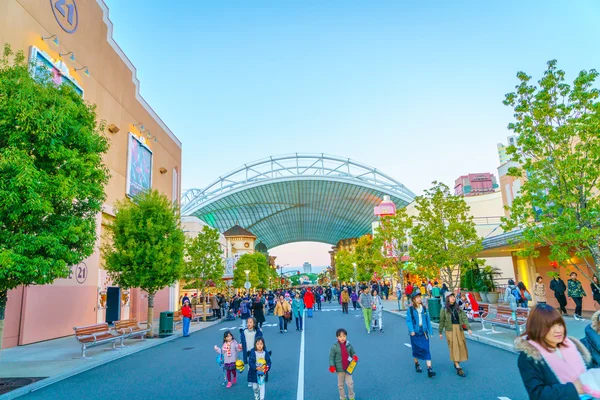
(517, 294)
(435, 292)
(527, 295)
(244, 307)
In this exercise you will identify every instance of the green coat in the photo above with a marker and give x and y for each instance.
(575, 288)
(335, 355)
(446, 320)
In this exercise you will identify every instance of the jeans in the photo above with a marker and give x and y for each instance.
(344, 308)
(378, 320)
(578, 302)
(368, 314)
(282, 323)
(259, 391)
(186, 326)
(299, 323)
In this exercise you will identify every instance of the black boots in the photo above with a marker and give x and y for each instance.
(430, 372)
(418, 367)
(460, 372)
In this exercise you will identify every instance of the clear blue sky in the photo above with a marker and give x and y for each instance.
(414, 89)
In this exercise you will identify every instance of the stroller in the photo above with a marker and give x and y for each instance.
(271, 308)
(230, 315)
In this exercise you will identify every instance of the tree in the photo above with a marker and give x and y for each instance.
(444, 237)
(558, 152)
(147, 245)
(368, 258)
(392, 238)
(52, 178)
(204, 261)
(246, 262)
(264, 270)
(344, 267)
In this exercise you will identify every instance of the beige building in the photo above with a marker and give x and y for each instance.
(143, 154)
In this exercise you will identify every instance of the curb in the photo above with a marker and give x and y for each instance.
(76, 371)
(475, 338)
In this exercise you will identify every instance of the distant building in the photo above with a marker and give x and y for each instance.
(307, 268)
(475, 184)
(502, 155)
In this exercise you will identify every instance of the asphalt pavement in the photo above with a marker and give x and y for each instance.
(187, 367)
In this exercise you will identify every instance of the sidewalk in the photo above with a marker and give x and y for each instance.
(505, 338)
(45, 363)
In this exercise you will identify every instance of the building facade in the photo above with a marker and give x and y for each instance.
(475, 184)
(94, 65)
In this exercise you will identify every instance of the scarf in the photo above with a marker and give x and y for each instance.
(566, 369)
(345, 361)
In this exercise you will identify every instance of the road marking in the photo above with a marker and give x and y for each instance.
(503, 398)
(300, 392)
(409, 345)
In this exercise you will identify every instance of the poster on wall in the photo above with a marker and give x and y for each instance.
(139, 166)
(42, 66)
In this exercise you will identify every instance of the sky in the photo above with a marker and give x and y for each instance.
(413, 89)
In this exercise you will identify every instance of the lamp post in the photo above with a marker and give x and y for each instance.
(247, 285)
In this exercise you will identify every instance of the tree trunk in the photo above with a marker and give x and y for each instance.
(3, 299)
(596, 256)
(151, 311)
(203, 305)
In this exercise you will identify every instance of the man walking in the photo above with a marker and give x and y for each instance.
(558, 286)
(366, 303)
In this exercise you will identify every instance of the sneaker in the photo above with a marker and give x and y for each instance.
(280, 331)
(229, 385)
(285, 330)
(249, 385)
(381, 330)
(368, 331)
(576, 317)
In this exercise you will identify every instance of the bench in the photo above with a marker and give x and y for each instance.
(503, 316)
(129, 328)
(177, 319)
(92, 335)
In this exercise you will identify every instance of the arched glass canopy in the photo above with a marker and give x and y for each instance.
(296, 197)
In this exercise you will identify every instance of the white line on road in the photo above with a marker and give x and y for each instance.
(503, 398)
(409, 345)
(300, 392)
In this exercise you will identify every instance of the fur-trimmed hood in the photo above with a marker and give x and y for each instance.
(521, 344)
(596, 322)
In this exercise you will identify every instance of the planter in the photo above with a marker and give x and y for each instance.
(477, 296)
(484, 297)
(493, 297)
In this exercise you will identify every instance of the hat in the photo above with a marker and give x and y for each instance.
(448, 294)
(417, 293)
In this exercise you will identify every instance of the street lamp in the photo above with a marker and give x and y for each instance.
(247, 285)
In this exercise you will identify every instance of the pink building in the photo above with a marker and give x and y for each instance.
(475, 184)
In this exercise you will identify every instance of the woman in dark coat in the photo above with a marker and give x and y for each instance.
(595, 290)
(258, 311)
(546, 336)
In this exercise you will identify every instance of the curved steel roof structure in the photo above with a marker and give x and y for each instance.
(297, 197)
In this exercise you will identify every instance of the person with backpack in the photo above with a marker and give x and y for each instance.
(512, 295)
(525, 295)
(559, 288)
(245, 310)
(435, 291)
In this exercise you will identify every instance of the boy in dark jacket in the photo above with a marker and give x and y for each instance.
(559, 288)
(340, 356)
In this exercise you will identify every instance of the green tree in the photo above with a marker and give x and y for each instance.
(344, 267)
(368, 258)
(392, 238)
(444, 237)
(246, 262)
(558, 152)
(264, 270)
(52, 178)
(203, 261)
(147, 245)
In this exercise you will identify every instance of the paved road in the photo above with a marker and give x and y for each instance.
(186, 367)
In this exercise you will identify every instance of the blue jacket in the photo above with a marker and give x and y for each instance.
(592, 340)
(412, 321)
(252, 376)
(259, 333)
(298, 307)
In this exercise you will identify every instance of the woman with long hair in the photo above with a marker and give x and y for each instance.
(454, 321)
(525, 295)
(552, 365)
(420, 330)
(595, 289)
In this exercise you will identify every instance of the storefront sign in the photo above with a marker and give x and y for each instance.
(65, 13)
(139, 167)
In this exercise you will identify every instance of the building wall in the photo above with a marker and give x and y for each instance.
(44, 312)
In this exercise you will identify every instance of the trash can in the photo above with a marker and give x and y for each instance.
(435, 306)
(165, 325)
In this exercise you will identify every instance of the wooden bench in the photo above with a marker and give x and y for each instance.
(177, 319)
(92, 335)
(129, 328)
(503, 316)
